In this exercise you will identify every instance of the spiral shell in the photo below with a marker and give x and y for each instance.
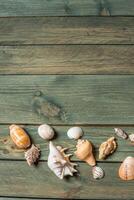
(45, 131)
(131, 137)
(97, 172)
(74, 133)
(121, 133)
(19, 137)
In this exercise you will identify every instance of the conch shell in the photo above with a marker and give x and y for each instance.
(85, 152)
(59, 162)
(19, 137)
(126, 170)
(107, 148)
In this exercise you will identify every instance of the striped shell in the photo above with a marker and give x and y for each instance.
(97, 172)
(131, 137)
(121, 133)
(19, 137)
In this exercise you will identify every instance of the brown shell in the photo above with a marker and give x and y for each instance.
(126, 170)
(19, 137)
(85, 152)
(107, 148)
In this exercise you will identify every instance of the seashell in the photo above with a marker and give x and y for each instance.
(19, 137)
(59, 162)
(97, 172)
(107, 148)
(46, 132)
(32, 155)
(126, 170)
(121, 133)
(74, 133)
(131, 137)
(85, 152)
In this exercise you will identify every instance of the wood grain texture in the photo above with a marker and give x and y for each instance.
(66, 8)
(66, 30)
(18, 179)
(95, 134)
(68, 99)
(67, 59)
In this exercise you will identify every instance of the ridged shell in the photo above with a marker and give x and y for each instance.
(121, 133)
(126, 170)
(131, 137)
(97, 172)
(45, 131)
(107, 148)
(19, 137)
(74, 133)
(85, 152)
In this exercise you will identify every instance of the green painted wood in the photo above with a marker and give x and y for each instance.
(20, 180)
(66, 8)
(72, 99)
(67, 30)
(67, 59)
(95, 134)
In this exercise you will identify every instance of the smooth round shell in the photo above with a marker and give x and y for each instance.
(19, 137)
(97, 172)
(46, 132)
(74, 133)
(126, 170)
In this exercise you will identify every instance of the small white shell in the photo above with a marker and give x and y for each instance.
(74, 133)
(131, 137)
(121, 133)
(45, 132)
(97, 172)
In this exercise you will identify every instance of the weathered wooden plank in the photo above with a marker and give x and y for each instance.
(67, 30)
(67, 59)
(95, 134)
(66, 8)
(72, 99)
(20, 180)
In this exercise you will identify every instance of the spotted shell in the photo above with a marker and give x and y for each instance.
(131, 137)
(74, 133)
(126, 170)
(121, 133)
(45, 131)
(97, 172)
(19, 137)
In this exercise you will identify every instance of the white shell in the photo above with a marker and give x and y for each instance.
(45, 132)
(97, 172)
(121, 133)
(74, 133)
(59, 162)
(131, 137)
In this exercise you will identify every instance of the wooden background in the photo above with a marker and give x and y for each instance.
(66, 62)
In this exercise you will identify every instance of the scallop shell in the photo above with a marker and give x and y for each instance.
(19, 137)
(121, 133)
(74, 133)
(59, 162)
(131, 137)
(45, 131)
(126, 170)
(85, 152)
(97, 172)
(107, 148)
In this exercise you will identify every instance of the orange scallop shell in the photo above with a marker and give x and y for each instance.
(126, 170)
(19, 137)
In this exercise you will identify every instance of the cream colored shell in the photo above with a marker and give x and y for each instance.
(46, 132)
(97, 172)
(75, 133)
